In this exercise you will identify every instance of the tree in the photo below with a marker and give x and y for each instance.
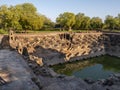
(96, 23)
(117, 20)
(47, 24)
(22, 16)
(85, 23)
(4, 16)
(79, 18)
(110, 22)
(82, 21)
(29, 18)
(15, 17)
(67, 19)
(28, 11)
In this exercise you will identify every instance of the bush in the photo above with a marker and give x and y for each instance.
(3, 31)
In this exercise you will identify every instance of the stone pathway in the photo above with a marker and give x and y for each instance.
(14, 72)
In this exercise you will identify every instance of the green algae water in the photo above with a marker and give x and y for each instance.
(96, 68)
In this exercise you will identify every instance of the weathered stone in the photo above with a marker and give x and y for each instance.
(15, 72)
(25, 51)
(39, 61)
(5, 42)
(89, 81)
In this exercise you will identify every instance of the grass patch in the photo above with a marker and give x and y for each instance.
(49, 31)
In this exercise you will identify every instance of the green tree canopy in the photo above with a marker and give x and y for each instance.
(79, 18)
(117, 22)
(86, 23)
(110, 22)
(4, 16)
(48, 24)
(22, 16)
(96, 23)
(67, 19)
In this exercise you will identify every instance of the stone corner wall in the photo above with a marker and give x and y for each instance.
(112, 44)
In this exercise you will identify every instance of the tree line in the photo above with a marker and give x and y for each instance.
(25, 17)
(69, 20)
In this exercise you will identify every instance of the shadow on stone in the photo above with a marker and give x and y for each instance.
(2, 81)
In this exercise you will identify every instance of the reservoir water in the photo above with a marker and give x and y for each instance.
(96, 68)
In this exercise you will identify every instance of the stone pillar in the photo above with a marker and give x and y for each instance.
(12, 39)
(11, 36)
(20, 48)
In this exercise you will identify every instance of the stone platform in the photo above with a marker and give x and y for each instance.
(14, 72)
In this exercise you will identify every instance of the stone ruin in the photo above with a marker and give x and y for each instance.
(43, 50)
(64, 47)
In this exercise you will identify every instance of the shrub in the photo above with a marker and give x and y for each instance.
(3, 31)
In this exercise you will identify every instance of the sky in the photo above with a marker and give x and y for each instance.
(52, 8)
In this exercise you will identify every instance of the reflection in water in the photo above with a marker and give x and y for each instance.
(95, 68)
(95, 72)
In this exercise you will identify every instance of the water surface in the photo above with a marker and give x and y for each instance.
(96, 68)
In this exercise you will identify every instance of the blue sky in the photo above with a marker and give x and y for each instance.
(52, 8)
